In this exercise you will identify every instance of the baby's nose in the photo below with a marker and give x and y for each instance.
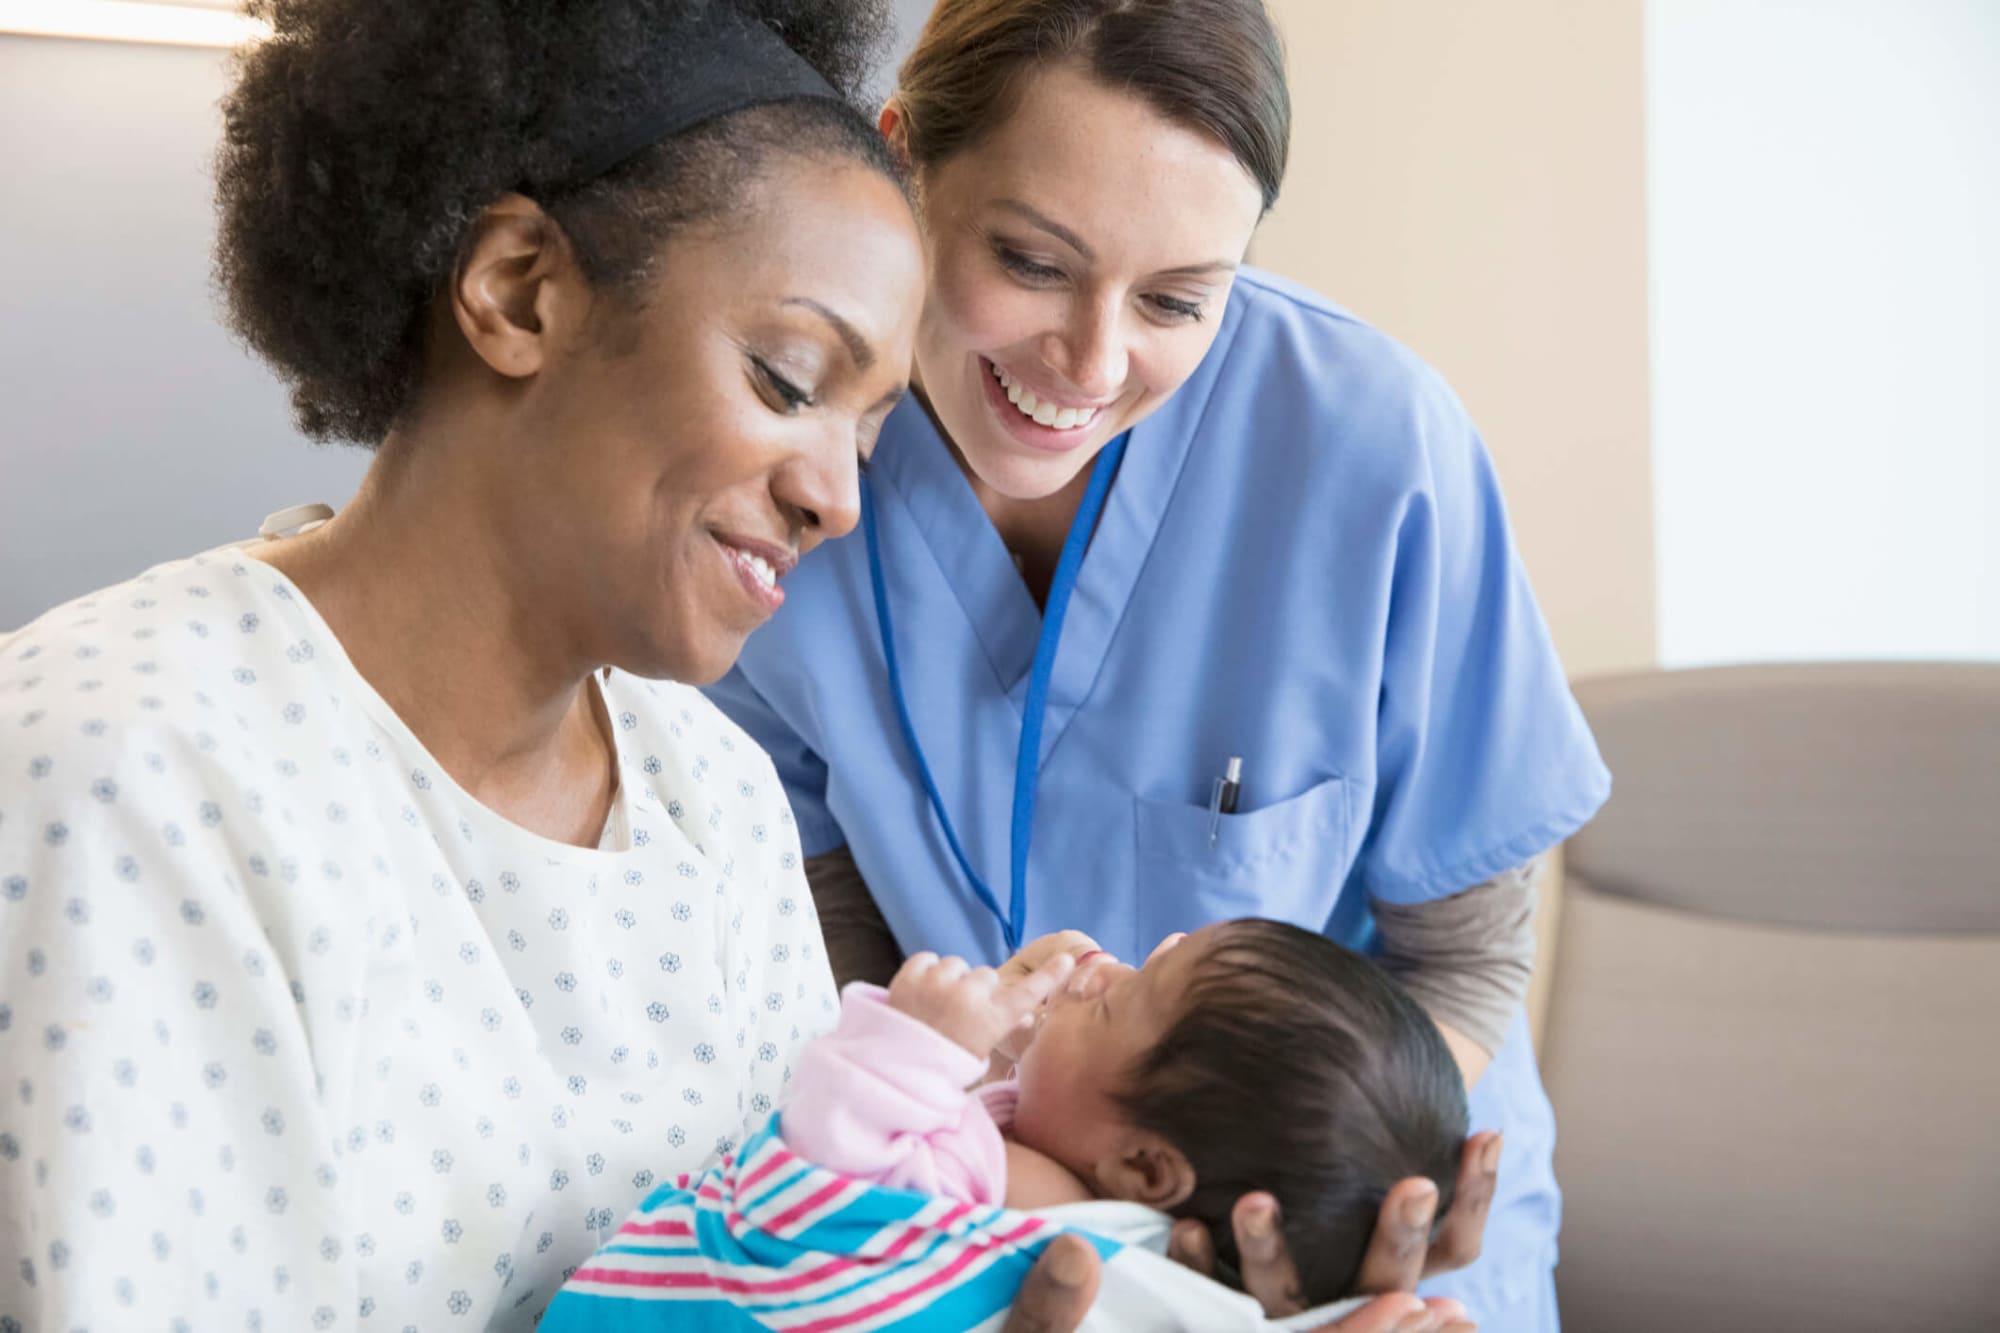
(1093, 975)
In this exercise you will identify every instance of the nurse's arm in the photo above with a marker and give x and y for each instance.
(1467, 959)
(859, 944)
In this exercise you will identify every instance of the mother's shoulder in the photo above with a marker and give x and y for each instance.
(166, 661)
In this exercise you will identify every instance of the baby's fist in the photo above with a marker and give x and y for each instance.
(972, 1006)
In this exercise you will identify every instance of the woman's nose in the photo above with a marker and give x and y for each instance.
(1090, 351)
(821, 488)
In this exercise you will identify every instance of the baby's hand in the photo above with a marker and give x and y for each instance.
(973, 1006)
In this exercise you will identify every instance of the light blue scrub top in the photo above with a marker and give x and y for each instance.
(1304, 561)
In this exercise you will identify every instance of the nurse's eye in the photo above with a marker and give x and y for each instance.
(1175, 310)
(786, 396)
(1025, 268)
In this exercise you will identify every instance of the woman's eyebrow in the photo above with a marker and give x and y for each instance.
(857, 346)
(1075, 242)
(1049, 225)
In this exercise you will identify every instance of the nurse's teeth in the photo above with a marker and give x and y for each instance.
(1040, 412)
(759, 567)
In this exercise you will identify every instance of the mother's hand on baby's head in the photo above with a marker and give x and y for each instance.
(1404, 1249)
(975, 1006)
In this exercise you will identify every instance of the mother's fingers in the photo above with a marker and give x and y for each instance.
(1190, 1245)
(1268, 1271)
(1404, 1313)
(1396, 1252)
(1459, 1238)
(1059, 1289)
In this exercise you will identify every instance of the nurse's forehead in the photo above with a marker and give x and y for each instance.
(1132, 162)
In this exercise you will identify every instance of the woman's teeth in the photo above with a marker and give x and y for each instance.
(759, 568)
(1042, 413)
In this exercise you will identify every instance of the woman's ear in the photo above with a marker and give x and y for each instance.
(1146, 1169)
(895, 127)
(506, 290)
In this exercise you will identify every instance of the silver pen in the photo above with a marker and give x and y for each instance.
(1223, 797)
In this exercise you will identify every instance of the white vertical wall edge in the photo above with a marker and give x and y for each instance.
(1824, 229)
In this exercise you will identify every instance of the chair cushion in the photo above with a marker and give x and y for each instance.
(1851, 796)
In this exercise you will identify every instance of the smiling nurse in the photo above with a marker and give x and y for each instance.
(1151, 512)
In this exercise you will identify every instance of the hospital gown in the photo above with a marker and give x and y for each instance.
(298, 1035)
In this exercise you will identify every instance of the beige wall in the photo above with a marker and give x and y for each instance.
(1470, 177)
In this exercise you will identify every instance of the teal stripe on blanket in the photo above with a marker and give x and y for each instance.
(675, 1264)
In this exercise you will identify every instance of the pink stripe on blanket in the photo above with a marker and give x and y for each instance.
(763, 1169)
(773, 1286)
(818, 1198)
(1027, 1228)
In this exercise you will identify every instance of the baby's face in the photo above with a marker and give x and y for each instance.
(1089, 1037)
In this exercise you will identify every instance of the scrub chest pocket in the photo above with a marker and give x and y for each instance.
(1286, 860)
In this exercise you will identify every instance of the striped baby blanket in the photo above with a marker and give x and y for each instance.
(767, 1240)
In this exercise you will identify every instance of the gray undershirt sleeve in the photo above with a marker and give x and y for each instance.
(859, 943)
(1467, 959)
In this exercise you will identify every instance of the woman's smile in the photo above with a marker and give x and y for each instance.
(1037, 420)
(756, 567)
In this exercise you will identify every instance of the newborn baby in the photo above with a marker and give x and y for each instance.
(1250, 1055)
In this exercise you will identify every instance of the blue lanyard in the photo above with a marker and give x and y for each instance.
(1028, 760)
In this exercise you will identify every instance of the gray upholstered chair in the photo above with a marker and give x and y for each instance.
(1773, 1035)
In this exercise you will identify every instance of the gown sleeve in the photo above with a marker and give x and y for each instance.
(801, 770)
(164, 1155)
(1484, 759)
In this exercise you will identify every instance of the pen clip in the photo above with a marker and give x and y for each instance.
(1215, 811)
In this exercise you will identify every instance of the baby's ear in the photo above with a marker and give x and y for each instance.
(1147, 1169)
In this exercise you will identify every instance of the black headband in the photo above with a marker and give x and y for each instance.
(723, 62)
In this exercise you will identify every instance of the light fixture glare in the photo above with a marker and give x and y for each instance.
(130, 21)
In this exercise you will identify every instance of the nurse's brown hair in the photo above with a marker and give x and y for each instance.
(1215, 66)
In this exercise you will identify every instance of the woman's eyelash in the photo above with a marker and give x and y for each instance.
(1177, 308)
(1022, 266)
(794, 397)
(1016, 262)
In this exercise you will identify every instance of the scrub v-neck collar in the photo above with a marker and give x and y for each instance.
(914, 471)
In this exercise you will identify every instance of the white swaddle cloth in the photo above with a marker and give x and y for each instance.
(1143, 1291)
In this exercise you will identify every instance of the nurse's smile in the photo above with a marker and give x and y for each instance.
(1036, 417)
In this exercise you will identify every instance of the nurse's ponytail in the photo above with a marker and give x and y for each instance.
(1216, 66)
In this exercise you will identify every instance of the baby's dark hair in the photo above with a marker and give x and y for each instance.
(363, 139)
(1298, 1067)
